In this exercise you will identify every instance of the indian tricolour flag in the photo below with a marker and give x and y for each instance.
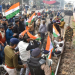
(31, 19)
(55, 32)
(47, 10)
(30, 35)
(49, 47)
(13, 10)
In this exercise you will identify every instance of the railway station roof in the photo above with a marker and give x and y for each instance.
(51, 2)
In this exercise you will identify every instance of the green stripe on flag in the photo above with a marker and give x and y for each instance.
(52, 73)
(30, 22)
(12, 14)
(38, 39)
(55, 35)
(53, 47)
(26, 23)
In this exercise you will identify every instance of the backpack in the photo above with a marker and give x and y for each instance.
(35, 67)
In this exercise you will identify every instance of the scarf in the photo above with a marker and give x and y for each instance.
(3, 34)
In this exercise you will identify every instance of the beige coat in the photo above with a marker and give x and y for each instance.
(31, 26)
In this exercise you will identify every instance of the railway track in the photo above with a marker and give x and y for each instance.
(59, 59)
(55, 59)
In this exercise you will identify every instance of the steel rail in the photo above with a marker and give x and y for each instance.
(59, 60)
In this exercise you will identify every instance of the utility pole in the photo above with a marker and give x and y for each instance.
(22, 7)
(22, 3)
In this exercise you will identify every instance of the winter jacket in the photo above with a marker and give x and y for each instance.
(9, 35)
(62, 24)
(50, 27)
(16, 30)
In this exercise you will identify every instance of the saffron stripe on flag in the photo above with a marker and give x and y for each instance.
(55, 32)
(31, 19)
(49, 45)
(13, 6)
(13, 10)
(31, 36)
(12, 14)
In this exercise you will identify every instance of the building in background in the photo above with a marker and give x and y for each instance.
(61, 3)
(31, 3)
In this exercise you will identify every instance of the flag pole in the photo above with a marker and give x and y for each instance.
(50, 68)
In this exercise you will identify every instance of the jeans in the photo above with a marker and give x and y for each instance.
(1, 53)
(42, 37)
(27, 69)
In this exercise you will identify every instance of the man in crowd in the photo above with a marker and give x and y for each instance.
(2, 43)
(38, 14)
(1, 16)
(31, 28)
(8, 6)
(62, 23)
(69, 35)
(38, 22)
(4, 23)
(37, 64)
(9, 33)
(43, 30)
(21, 25)
(24, 50)
(16, 28)
(3, 6)
(50, 28)
(11, 58)
(51, 15)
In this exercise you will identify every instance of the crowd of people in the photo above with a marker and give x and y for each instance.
(18, 51)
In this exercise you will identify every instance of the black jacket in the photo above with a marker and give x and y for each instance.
(16, 30)
(21, 26)
(35, 66)
(5, 26)
(50, 27)
(33, 45)
(3, 6)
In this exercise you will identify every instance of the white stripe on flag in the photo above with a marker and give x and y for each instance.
(51, 45)
(11, 11)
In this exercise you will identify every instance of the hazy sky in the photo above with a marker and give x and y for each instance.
(69, 0)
